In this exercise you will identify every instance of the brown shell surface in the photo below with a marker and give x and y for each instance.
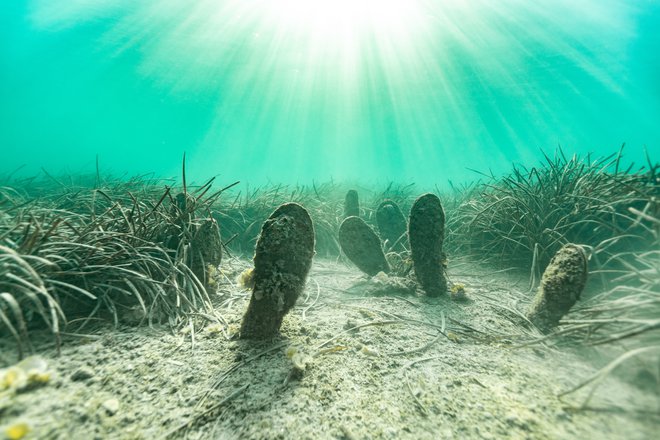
(426, 230)
(351, 204)
(284, 252)
(561, 286)
(207, 242)
(362, 246)
(391, 223)
(282, 260)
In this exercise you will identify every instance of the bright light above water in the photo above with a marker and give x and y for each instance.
(339, 19)
(296, 90)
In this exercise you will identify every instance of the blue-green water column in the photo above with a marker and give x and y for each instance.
(299, 90)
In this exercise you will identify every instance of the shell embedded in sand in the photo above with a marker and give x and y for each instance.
(561, 286)
(351, 204)
(426, 231)
(206, 248)
(282, 261)
(391, 224)
(362, 246)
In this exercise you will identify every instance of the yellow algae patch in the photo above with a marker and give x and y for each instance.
(30, 371)
(246, 278)
(17, 431)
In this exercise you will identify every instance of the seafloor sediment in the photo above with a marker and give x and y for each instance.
(374, 366)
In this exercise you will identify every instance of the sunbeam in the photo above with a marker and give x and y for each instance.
(295, 89)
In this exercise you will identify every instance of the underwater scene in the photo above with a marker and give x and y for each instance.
(312, 219)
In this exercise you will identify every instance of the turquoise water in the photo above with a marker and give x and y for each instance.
(300, 90)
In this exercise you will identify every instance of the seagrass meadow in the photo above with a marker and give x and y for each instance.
(422, 219)
(93, 259)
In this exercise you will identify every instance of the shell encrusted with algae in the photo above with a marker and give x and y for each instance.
(362, 246)
(426, 232)
(282, 260)
(206, 248)
(351, 204)
(561, 285)
(391, 224)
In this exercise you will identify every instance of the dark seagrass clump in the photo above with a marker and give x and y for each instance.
(177, 225)
(561, 286)
(391, 225)
(351, 204)
(426, 230)
(282, 260)
(362, 246)
(197, 240)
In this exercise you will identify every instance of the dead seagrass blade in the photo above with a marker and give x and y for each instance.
(561, 285)
(391, 225)
(351, 204)
(426, 231)
(362, 246)
(282, 260)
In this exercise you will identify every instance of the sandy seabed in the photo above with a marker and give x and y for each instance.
(377, 364)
